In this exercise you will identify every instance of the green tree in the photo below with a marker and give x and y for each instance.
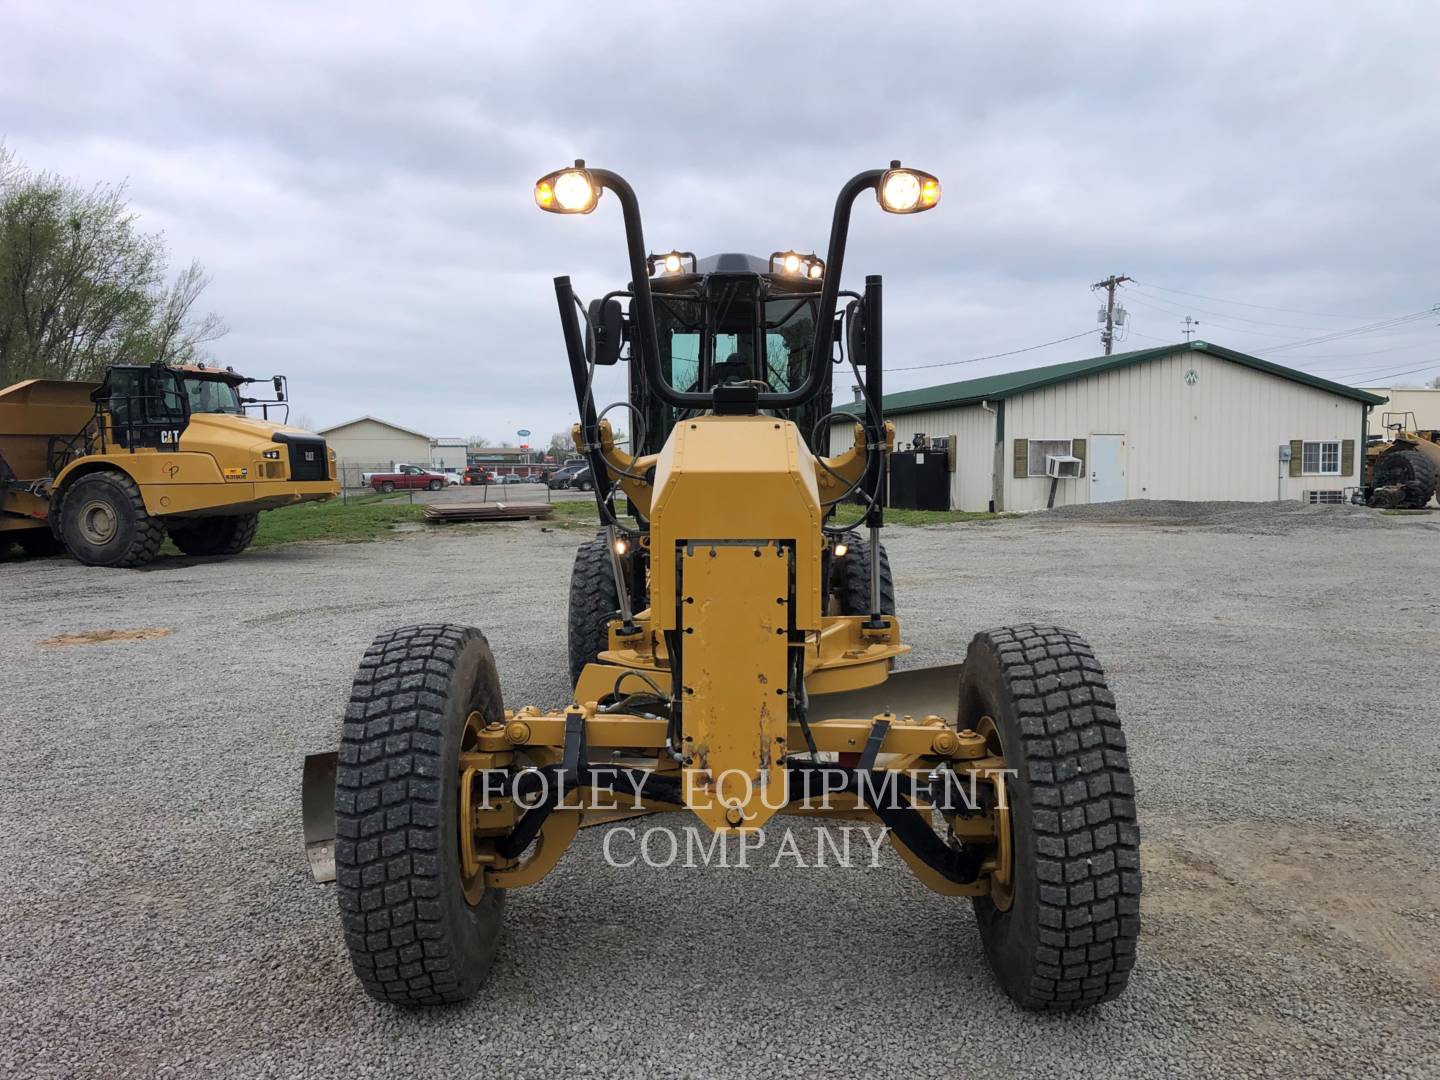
(82, 287)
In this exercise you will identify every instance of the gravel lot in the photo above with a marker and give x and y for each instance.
(1278, 684)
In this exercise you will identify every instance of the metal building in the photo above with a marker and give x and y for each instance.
(371, 445)
(1190, 421)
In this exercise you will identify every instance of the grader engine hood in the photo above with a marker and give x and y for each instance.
(737, 528)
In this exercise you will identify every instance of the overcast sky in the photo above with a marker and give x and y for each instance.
(358, 179)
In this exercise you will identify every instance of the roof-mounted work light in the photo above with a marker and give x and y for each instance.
(907, 191)
(567, 191)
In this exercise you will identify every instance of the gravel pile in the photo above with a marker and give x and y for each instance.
(1278, 698)
(1262, 519)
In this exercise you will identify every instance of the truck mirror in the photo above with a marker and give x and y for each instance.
(279, 381)
(855, 339)
(607, 320)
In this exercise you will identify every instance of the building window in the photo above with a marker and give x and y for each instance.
(1335, 498)
(1040, 449)
(1320, 458)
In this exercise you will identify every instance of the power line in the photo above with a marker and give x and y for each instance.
(1371, 377)
(1261, 307)
(1243, 319)
(993, 356)
(1386, 324)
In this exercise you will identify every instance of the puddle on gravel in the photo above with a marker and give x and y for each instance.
(106, 637)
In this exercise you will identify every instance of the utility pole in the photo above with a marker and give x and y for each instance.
(1109, 285)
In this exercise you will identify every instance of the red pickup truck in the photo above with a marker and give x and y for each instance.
(407, 476)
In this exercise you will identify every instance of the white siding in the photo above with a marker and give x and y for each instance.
(1216, 439)
(1425, 404)
(374, 444)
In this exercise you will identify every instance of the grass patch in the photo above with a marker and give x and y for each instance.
(365, 517)
(850, 514)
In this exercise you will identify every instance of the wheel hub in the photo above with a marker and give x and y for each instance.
(1002, 864)
(98, 523)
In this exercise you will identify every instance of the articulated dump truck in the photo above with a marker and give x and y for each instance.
(108, 470)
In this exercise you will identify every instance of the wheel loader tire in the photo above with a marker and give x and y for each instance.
(40, 543)
(1411, 469)
(386, 487)
(435, 485)
(414, 938)
(228, 534)
(1067, 939)
(593, 600)
(854, 573)
(103, 522)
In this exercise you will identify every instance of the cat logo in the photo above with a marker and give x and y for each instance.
(170, 437)
(309, 455)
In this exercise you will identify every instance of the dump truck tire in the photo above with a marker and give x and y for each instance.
(593, 601)
(228, 534)
(414, 938)
(1067, 939)
(855, 579)
(40, 543)
(103, 522)
(1410, 469)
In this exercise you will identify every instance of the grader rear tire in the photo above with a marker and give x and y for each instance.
(1062, 935)
(854, 574)
(414, 937)
(593, 600)
(228, 534)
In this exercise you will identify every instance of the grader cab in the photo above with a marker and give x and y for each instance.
(733, 656)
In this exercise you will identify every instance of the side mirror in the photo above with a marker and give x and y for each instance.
(855, 336)
(279, 381)
(608, 321)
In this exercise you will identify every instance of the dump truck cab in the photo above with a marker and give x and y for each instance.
(153, 450)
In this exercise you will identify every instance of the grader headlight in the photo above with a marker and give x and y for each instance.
(907, 191)
(567, 191)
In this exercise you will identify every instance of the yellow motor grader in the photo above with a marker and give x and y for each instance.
(107, 470)
(733, 651)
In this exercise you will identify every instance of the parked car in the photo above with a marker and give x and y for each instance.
(366, 477)
(452, 475)
(514, 478)
(477, 474)
(407, 476)
(581, 480)
(562, 476)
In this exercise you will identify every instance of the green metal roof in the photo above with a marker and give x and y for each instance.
(1010, 383)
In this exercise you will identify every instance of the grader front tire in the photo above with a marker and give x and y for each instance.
(1061, 934)
(414, 937)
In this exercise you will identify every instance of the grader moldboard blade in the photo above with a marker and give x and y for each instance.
(317, 806)
(918, 692)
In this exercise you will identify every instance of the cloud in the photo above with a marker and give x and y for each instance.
(357, 178)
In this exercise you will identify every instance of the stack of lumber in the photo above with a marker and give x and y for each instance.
(496, 511)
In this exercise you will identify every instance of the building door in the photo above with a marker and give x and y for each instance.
(1107, 468)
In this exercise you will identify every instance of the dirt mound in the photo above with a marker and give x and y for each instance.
(1266, 518)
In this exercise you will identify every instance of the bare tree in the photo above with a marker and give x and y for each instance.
(81, 287)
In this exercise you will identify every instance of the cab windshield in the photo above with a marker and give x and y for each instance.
(702, 345)
(211, 395)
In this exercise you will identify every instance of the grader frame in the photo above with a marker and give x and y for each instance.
(732, 680)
